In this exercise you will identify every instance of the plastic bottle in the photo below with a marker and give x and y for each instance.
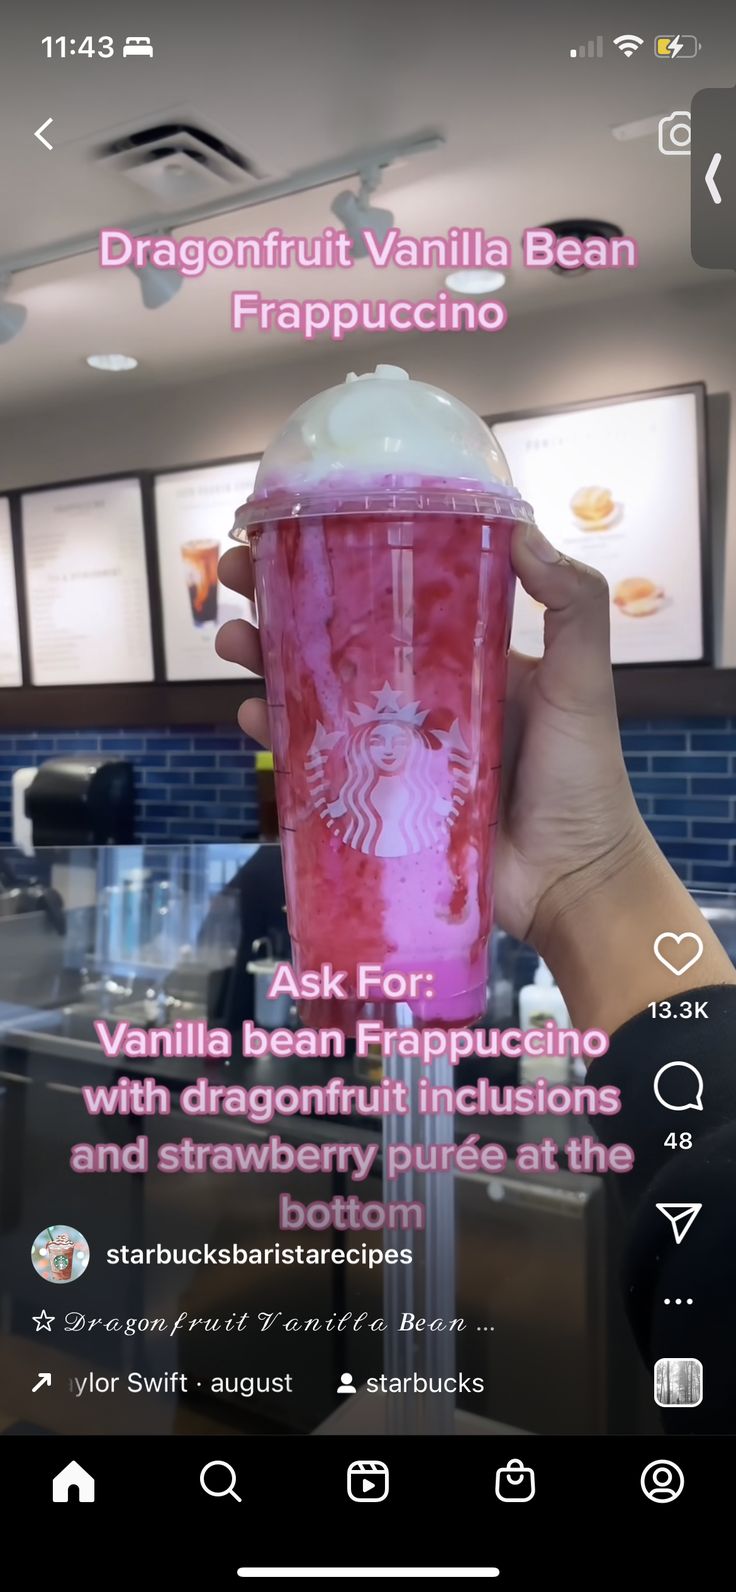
(539, 1003)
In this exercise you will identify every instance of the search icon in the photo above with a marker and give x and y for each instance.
(220, 1492)
(687, 1097)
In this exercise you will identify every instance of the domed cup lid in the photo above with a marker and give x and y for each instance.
(381, 443)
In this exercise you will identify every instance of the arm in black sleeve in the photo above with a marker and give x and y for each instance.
(703, 1266)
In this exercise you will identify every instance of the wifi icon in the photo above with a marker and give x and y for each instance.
(628, 43)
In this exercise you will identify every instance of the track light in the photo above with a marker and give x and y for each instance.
(478, 283)
(357, 215)
(111, 362)
(157, 287)
(12, 316)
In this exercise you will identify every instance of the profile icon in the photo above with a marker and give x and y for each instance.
(346, 1383)
(60, 1254)
(662, 1481)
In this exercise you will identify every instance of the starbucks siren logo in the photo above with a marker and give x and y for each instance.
(383, 787)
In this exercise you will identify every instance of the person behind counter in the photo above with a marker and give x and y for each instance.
(258, 890)
(579, 876)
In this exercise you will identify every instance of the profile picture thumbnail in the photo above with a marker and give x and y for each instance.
(60, 1254)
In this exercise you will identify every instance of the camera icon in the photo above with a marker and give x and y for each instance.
(674, 133)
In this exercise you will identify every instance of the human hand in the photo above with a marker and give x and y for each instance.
(567, 805)
(239, 642)
(577, 872)
(568, 815)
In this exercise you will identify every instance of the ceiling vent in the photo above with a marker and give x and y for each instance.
(179, 164)
(580, 230)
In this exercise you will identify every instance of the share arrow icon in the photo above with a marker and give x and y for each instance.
(681, 1217)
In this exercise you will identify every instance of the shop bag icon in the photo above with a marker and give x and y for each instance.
(515, 1483)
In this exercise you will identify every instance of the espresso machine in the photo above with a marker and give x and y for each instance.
(82, 800)
(61, 812)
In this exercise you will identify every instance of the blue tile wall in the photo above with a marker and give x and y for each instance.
(683, 772)
(195, 782)
(198, 783)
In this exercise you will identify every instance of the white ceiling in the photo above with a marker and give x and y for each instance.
(527, 140)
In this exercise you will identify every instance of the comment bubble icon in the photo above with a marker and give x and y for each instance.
(678, 1086)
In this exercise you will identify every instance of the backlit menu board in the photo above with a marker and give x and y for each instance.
(10, 666)
(87, 585)
(617, 486)
(194, 513)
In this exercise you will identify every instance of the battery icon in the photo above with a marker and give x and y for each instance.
(669, 46)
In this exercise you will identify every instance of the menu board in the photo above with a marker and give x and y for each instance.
(86, 584)
(618, 486)
(194, 513)
(10, 666)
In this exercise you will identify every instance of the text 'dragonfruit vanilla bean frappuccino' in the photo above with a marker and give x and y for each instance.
(379, 529)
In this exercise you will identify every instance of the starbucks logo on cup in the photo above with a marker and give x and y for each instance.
(390, 785)
(60, 1262)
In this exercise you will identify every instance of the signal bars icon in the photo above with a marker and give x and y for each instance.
(594, 47)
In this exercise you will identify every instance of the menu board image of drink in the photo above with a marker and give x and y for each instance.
(618, 486)
(194, 513)
(87, 584)
(10, 665)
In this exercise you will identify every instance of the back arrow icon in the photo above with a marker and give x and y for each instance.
(41, 130)
(710, 182)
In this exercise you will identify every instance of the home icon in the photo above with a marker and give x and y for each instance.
(73, 1476)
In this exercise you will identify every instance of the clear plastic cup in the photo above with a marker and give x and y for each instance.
(61, 1258)
(379, 529)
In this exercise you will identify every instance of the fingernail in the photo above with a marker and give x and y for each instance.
(539, 546)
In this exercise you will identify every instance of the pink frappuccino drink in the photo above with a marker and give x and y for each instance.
(60, 1252)
(379, 529)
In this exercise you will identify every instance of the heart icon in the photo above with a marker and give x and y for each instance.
(677, 939)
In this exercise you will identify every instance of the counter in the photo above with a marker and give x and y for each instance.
(536, 1256)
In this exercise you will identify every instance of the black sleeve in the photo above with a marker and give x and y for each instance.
(702, 1267)
(259, 886)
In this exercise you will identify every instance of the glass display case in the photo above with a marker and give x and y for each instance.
(142, 931)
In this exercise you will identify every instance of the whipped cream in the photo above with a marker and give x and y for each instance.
(383, 424)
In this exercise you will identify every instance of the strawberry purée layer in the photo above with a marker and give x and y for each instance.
(421, 604)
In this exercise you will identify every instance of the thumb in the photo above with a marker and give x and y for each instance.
(576, 668)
